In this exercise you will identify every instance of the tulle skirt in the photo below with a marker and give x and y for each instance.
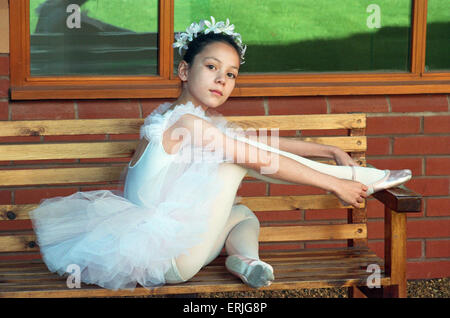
(117, 244)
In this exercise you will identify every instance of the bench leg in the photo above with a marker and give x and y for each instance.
(395, 252)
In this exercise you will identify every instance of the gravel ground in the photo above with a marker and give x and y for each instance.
(431, 288)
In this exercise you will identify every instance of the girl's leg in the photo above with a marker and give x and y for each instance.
(240, 237)
(189, 264)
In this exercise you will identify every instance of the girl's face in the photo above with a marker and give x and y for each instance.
(210, 79)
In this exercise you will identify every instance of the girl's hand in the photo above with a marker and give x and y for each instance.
(342, 158)
(351, 192)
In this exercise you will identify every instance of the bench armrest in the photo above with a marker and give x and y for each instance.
(400, 199)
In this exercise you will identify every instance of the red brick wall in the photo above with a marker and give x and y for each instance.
(404, 131)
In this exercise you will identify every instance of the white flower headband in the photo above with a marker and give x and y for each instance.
(182, 39)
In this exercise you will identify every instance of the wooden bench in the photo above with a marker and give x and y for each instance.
(75, 164)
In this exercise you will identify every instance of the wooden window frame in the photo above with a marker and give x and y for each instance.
(167, 85)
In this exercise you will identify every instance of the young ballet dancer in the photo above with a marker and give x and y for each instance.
(178, 208)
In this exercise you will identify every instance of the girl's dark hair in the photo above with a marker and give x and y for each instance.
(202, 40)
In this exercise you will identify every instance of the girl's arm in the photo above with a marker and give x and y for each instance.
(204, 134)
(299, 147)
(307, 149)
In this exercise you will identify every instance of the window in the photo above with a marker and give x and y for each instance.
(304, 36)
(438, 35)
(113, 37)
(123, 49)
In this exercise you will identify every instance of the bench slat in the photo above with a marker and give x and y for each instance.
(312, 232)
(132, 125)
(301, 122)
(26, 242)
(257, 204)
(60, 175)
(71, 127)
(347, 268)
(123, 149)
(79, 150)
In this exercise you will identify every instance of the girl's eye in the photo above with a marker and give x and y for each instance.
(231, 75)
(210, 66)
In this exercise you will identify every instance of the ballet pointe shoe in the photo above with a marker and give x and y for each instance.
(253, 272)
(392, 178)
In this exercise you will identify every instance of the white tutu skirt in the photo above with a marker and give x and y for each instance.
(116, 243)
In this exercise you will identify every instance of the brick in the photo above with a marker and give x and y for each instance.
(5, 197)
(30, 196)
(428, 269)
(375, 229)
(241, 107)
(4, 110)
(318, 132)
(248, 189)
(393, 163)
(329, 214)
(108, 109)
(437, 166)
(338, 244)
(297, 105)
(42, 109)
(357, 103)
(435, 248)
(287, 133)
(377, 247)
(424, 145)
(377, 146)
(4, 65)
(40, 162)
(20, 139)
(124, 137)
(392, 125)
(436, 124)
(428, 228)
(15, 257)
(75, 138)
(375, 209)
(270, 216)
(16, 225)
(419, 103)
(413, 249)
(281, 246)
(4, 87)
(104, 187)
(287, 189)
(438, 207)
(429, 186)
(149, 105)
(106, 160)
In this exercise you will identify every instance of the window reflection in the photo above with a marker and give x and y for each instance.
(304, 36)
(67, 40)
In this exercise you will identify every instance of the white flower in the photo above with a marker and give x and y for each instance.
(211, 26)
(182, 39)
(229, 29)
(192, 30)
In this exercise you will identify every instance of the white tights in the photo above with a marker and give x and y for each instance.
(236, 226)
